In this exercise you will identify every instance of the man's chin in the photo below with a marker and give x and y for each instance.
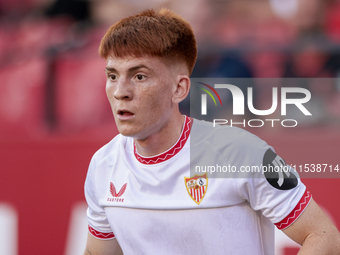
(132, 134)
(125, 129)
(128, 132)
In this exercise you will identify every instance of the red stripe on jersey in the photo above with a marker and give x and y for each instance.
(172, 151)
(299, 208)
(101, 235)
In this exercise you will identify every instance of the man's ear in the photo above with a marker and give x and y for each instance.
(181, 90)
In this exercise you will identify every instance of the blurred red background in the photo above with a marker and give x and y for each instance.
(54, 114)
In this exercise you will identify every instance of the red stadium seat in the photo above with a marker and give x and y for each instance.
(22, 99)
(81, 98)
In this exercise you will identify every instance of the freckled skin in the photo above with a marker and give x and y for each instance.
(143, 86)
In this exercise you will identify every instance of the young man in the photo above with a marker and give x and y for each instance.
(141, 197)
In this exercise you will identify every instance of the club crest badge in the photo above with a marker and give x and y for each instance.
(197, 187)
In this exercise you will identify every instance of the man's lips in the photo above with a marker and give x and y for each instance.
(123, 114)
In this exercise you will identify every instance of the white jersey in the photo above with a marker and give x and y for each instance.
(154, 205)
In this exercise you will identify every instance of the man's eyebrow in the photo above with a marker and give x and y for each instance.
(111, 69)
(138, 67)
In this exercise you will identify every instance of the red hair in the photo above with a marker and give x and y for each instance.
(163, 33)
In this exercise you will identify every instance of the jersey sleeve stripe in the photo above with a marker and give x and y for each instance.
(299, 208)
(100, 235)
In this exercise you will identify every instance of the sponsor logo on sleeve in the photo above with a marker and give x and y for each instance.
(277, 172)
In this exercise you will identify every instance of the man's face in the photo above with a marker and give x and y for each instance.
(140, 92)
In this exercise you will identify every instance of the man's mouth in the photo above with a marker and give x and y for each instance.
(124, 113)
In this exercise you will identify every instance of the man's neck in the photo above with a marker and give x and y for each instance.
(162, 140)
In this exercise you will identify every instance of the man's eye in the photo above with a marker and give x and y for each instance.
(140, 77)
(112, 77)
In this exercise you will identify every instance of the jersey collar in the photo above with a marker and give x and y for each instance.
(170, 152)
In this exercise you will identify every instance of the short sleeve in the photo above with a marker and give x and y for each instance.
(271, 186)
(277, 192)
(99, 226)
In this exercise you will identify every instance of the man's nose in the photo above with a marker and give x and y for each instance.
(123, 90)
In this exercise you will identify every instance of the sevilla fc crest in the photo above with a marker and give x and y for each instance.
(197, 187)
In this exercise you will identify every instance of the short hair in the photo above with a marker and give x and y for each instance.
(163, 33)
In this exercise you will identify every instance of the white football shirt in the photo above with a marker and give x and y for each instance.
(156, 205)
